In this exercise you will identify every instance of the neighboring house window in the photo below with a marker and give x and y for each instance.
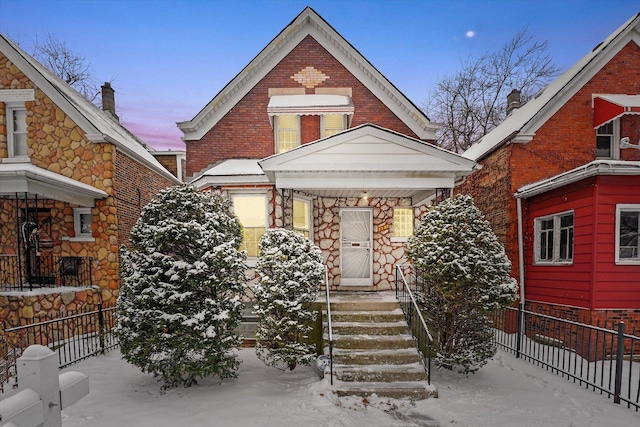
(17, 131)
(554, 238)
(287, 133)
(402, 222)
(607, 141)
(302, 217)
(332, 124)
(627, 231)
(82, 222)
(251, 210)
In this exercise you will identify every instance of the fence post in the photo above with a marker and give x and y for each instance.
(519, 332)
(38, 370)
(101, 327)
(619, 362)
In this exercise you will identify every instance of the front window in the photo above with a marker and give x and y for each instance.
(302, 217)
(554, 239)
(403, 222)
(332, 124)
(286, 133)
(17, 131)
(606, 141)
(627, 230)
(251, 210)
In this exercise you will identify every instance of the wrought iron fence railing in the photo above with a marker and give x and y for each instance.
(23, 273)
(74, 338)
(405, 280)
(597, 358)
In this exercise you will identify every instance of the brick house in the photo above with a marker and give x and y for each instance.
(72, 183)
(311, 137)
(560, 185)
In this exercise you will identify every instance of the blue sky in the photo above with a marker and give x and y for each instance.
(168, 58)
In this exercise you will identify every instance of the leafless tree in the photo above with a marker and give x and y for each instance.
(72, 68)
(473, 101)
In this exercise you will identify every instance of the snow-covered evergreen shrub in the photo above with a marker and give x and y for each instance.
(290, 270)
(182, 281)
(466, 273)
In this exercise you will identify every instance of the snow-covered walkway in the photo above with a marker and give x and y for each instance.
(506, 392)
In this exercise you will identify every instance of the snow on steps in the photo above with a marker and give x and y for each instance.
(373, 351)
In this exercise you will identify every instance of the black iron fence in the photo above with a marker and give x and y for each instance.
(74, 338)
(405, 281)
(597, 358)
(27, 272)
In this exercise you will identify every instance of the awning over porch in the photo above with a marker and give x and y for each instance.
(25, 178)
(611, 106)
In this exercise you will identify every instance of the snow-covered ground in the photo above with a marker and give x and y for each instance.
(506, 392)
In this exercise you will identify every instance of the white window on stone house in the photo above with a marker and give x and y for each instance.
(251, 210)
(403, 223)
(332, 124)
(82, 223)
(17, 131)
(302, 217)
(287, 132)
(553, 243)
(627, 234)
(607, 140)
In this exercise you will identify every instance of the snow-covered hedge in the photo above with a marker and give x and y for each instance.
(182, 282)
(290, 268)
(467, 275)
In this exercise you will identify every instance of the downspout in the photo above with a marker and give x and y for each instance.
(520, 250)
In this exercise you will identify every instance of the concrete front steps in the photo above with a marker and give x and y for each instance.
(373, 350)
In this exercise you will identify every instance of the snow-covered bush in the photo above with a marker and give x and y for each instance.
(290, 270)
(466, 276)
(182, 281)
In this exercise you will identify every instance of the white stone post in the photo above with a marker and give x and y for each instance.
(38, 370)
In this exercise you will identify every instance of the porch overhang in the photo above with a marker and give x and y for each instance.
(20, 179)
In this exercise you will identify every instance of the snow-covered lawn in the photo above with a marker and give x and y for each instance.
(506, 392)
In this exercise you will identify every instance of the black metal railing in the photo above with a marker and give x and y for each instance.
(44, 270)
(605, 360)
(422, 337)
(74, 338)
(329, 325)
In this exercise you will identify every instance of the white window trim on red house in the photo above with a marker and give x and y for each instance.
(556, 232)
(625, 208)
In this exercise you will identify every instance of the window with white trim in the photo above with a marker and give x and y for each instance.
(82, 222)
(403, 222)
(607, 138)
(251, 210)
(17, 130)
(287, 132)
(332, 124)
(554, 239)
(627, 231)
(302, 217)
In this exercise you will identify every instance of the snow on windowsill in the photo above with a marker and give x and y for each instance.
(46, 291)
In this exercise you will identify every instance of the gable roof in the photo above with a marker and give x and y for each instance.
(308, 23)
(98, 126)
(523, 122)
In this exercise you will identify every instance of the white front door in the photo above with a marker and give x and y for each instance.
(356, 247)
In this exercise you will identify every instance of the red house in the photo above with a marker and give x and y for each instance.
(560, 185)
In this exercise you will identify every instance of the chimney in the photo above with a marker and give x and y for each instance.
(513, 101)
(108, 100)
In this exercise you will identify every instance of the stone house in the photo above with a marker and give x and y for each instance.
(310, 136)
(560, 185)
(72, 183)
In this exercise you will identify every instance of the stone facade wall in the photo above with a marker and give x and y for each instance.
(246, 130)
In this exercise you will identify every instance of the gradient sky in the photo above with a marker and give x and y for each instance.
(167, 59)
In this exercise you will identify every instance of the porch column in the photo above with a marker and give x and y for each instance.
(287, 209)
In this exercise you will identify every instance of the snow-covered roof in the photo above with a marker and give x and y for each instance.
(522, 123)
(597, 167)
(232, 171)
(308, 23)
(98, 126)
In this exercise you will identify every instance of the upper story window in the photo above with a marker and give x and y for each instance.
(287, 132)
(607, 137)
(17, 130)
(403, 222)
(627, 231)
(332, 124)
(302, 217)
(251, 210)
(554, 239)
